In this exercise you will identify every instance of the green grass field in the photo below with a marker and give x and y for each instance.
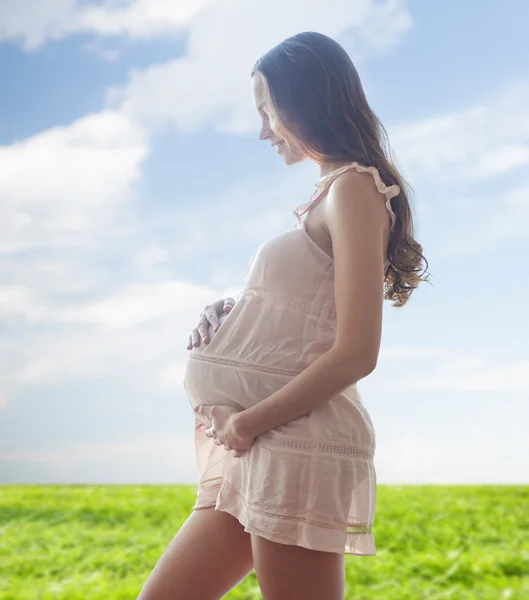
(100, 542)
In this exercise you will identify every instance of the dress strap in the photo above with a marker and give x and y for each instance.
(323, 185)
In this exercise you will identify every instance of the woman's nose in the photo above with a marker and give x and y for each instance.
(264, 134)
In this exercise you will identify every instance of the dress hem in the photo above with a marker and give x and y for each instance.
(240, 512)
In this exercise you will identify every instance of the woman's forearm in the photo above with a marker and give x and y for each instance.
(326, 377)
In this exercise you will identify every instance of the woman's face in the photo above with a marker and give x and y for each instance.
(271, 130)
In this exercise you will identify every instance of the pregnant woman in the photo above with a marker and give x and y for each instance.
(285, 446)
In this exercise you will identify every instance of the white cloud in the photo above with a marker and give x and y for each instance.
(139, 333)
(449, 369)
(508, 218)
(210, 85)
(411, 353)
(482, 149)
(170, 378)
(414, 458)
(488, 139)
(457, 368)
(476, 375)
(151, 260)
(33, 22)
(63, 275)
(138, 303)
(144, 459)
(232, 222)
(70, 189)
(96, 450)
(138, 18)
(130, 305)
(59, 185)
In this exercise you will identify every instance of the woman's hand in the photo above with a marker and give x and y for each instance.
(225, 429)
(210, 317)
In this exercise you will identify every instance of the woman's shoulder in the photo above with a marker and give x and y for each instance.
(358, 178)
(358, 188)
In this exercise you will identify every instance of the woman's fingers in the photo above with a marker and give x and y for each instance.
(229, 303)
(210, 317)
(215, 310)
(211, 433)
(203, 329)
(195, 338)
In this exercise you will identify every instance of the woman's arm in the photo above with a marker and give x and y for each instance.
(358, 224)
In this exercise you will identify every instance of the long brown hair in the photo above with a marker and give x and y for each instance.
(317, 95)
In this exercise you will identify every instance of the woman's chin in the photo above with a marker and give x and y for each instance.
(290, 159)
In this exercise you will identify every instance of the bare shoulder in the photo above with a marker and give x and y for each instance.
(355, 195)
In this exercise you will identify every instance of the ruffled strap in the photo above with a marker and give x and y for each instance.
(323, 185)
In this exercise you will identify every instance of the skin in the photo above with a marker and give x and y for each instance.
(357, 225)
(352, 224)
(295, 573)
(210, 316)
(195, 565)
(271, 129)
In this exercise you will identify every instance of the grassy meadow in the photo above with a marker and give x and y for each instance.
(100, 542)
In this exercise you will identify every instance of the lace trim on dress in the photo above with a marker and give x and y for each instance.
(237, 363)
(302, 306)
(307, 446)
(211, 482)
(325, 182)
(348, 528)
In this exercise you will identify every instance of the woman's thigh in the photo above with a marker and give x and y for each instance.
(209, 555)
(297, 573)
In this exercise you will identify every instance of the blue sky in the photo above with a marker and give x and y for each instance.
(134, 190)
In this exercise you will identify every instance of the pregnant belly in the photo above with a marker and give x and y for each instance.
(208, 382)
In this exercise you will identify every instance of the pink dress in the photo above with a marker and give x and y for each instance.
(310, 482)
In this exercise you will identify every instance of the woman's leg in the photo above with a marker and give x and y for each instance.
(209, 555)
(297, 573)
